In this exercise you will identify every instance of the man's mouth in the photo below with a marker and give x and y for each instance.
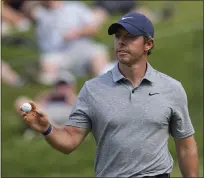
(122, 51)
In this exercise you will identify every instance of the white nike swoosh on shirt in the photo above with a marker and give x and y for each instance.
(126, 18)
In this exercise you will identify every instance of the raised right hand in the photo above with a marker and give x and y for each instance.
(36, 119)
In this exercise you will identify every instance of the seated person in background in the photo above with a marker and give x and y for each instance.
(116, 7)
(64, 33)
(9, 76)
(57, 102)
(103, 9)
(13, 15)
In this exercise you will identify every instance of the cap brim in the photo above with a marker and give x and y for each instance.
(128, 27)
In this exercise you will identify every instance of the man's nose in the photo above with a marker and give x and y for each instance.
(121, 41)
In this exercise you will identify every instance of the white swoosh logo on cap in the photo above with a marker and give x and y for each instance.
(126, 18)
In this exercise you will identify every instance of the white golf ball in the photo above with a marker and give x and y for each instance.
(26, 107)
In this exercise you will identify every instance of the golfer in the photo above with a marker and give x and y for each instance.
(131, 111)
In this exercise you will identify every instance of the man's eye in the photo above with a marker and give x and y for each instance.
(129, 35)
(117, 35)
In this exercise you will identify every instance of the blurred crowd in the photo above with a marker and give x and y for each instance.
(64, 33)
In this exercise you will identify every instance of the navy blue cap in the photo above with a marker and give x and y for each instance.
(135, 24)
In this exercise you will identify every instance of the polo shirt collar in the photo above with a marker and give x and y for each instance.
(149, 74)
(116, 73)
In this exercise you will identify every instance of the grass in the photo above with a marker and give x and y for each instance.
(178, 53)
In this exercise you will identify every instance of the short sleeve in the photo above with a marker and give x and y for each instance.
(180, 123)
(79, 116)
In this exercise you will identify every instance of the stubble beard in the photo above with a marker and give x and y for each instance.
(130, 61)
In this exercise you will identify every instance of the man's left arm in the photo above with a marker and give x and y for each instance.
(187, 154)
(182, 130)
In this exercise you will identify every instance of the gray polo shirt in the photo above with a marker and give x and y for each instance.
(131, 125)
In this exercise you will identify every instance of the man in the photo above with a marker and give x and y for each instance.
(64, 32)
(13, 16)
(131, 111)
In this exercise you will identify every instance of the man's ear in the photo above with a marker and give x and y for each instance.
(149, 44)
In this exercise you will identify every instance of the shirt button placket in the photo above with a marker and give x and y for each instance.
(132, 92)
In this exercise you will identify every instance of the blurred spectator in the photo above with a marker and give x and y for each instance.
(64, 31)
(9, 76)
(103, 9)
(116, 7)
(168, 10)
(13, 16)
(57, 102)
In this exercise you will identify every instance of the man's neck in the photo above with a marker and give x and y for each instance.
(135, 72)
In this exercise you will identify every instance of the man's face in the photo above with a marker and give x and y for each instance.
(128, 48)
(64, 88)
